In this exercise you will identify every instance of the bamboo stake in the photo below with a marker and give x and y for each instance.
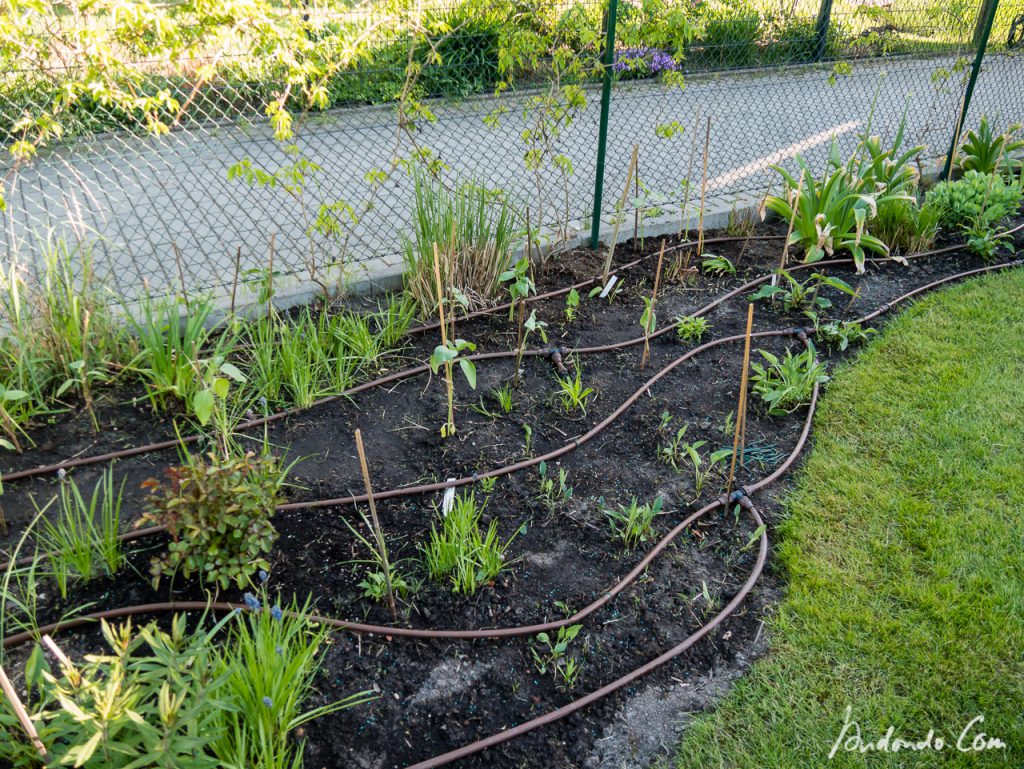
(741, 408)
(636, 208)
(650, 316)
(618, 217)
(703, 191)
(378, 533)
(20, 712)
(689, 179)
(450, 425)
(234, 281)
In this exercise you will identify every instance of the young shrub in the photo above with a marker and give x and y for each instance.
(460, 552)
(268, 663)
(787, 382)
(154, 700)
(217, 513)
(976, 198)
(474, 229)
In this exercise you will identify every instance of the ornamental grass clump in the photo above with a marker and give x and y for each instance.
(217, 512)
(474, 229)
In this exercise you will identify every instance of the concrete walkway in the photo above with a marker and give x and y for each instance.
(137, 198)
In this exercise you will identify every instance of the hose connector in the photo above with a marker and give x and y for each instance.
(555, 353)
(737, 496)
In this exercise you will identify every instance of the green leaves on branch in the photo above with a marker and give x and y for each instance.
(452, 352)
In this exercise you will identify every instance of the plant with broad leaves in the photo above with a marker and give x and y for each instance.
(552, 654)
(787, 382)
(797, 295)
(520, 284)
(10, 420)
(690, 328)
(572, 303)
(839, 334)
(445, 355)
(217, 513)
(718, 265)
(987, 152)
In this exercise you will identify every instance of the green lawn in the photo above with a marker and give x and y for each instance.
(903, 552)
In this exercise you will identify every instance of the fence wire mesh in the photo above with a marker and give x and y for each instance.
(766, 80)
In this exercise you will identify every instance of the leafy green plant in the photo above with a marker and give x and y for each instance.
(983, 240)
(157, 699)
(797, 295)
(977, 197)
(552, 654)
(572, 303)
(690, 328)
(839, 335)
(553, 493)
(906, 226)
(217, 513)
(15, 411)
(718, 265)
(503, 395)
(82, 542)
(788, 382)
(460, 552)
(572, 394)
(174, 352)
(702, 469)
(445, 354)
(634, 523)
(987, 152)
(268, 663)
(674, 451)
(520, 284)
(474, 229)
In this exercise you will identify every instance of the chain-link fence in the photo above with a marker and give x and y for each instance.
(764, 81)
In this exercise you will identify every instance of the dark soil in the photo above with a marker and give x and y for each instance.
(437, 696)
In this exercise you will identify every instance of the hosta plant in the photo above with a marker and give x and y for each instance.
(977, 198)
(217, 513)
(787, 382)
(797, 295)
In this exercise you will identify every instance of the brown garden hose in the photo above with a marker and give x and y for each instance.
(68, 464)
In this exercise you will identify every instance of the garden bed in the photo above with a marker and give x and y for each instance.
(437, 695)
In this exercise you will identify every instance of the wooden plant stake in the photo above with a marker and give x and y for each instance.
(703, 191)
(450, 425)
(19, 710)
(378, 533)
(234, 281)
(650, 309)
(741, 409)
(636, 209)
(689, 180)
(618, 217)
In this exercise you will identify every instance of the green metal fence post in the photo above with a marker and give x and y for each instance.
(821, 29)
(988, 9)
(607, 60)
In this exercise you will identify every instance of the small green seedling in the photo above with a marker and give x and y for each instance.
(634, 523)
(446, 354)
(572, 303)
(553, 493)
(690, 328)
(552, 655)
(718, 265)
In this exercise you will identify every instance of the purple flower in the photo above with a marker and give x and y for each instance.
(276, 613)
(268, 702)
(252, 601)
(263, 575)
